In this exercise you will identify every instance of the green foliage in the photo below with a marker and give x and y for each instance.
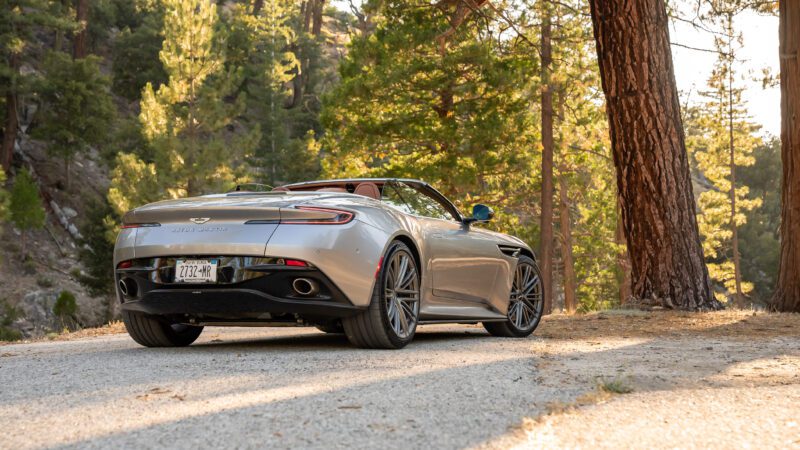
(96, 250)
(65, 305)
(759, 236)
(459, 119)
(188, 121)
(9, 334)
(614, 386)
(135, 54)
(278, 58)
(709, 128)
(44, 282)
(77, 109)
(19, 21)
(25, 206)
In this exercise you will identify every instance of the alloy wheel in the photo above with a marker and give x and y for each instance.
(526, 302)
(401, 291)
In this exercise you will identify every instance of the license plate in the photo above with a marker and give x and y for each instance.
(196, 271)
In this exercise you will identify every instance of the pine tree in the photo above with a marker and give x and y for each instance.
(77, 109)
(419, 98)
(190, 122)
(721, 139)
(19, 20)
(25, 206)
(261, 41)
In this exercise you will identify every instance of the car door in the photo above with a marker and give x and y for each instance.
(463, 263)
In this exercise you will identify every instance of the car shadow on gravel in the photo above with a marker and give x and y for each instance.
(320, 341)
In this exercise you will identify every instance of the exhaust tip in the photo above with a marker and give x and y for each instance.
(127, 287)
(305, 287)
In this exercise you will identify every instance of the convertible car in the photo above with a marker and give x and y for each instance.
(370, 258)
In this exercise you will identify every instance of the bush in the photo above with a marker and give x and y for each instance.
(66, 306)
(9, 315)
(96, 251)
(26, 208)
(44, 282)
(9, 334)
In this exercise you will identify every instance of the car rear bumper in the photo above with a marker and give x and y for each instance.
(230, 305)
(249, 289)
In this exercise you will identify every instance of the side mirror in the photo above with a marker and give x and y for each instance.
(480, 213)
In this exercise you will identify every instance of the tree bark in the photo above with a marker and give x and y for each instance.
(306, 9)
(316, 27)
(10, 130)
(12, 123)
(647, 140)
(787, 293)
(570, 302)
(257, 6)
(82, 17)
(546, 240)
(623, 262)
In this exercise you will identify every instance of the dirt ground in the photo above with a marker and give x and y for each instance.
(620, 379)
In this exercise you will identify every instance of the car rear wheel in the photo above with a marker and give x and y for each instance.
(525, 304)
(155, 332)
(391, 319)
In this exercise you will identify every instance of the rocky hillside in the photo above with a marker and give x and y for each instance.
(30, 288)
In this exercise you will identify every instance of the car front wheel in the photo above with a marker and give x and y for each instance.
(391, 319)
(525, 304)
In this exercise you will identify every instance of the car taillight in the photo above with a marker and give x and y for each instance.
(125, 265)
(341, 217)
(140, 225)
(296, 263)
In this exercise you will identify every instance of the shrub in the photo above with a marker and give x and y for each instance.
(65, 306)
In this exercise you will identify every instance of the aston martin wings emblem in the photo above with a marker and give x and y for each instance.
(200, 220)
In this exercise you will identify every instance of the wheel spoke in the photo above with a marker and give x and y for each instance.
(402, 294)
(524, 306)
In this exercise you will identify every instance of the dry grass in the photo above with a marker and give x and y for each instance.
(115, 327)
(636, 323)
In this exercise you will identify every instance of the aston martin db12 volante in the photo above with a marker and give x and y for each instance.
(370, 258)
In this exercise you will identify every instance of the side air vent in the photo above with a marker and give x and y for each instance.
(510, 250)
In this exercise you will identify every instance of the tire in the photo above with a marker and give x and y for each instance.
(154, 332)
(331, 327)
(526, 315)
(391, 319)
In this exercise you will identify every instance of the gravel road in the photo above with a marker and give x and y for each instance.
(453, 387)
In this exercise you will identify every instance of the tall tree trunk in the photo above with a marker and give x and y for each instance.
(570, 302)
(82, 17)
(12, 122)
(737, 273)
(546, 240)
(10, 129)
(316, 28)
(647, 140)
(307, 9)
(623, 261)
(787, 293)
(257, 6)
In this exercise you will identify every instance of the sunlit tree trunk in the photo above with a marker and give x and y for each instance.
(623, 262)
(570, 302)
(787, 293)
(647, 140)
(546, 240)
(82, 17)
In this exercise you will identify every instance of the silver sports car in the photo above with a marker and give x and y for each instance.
(370, 258)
